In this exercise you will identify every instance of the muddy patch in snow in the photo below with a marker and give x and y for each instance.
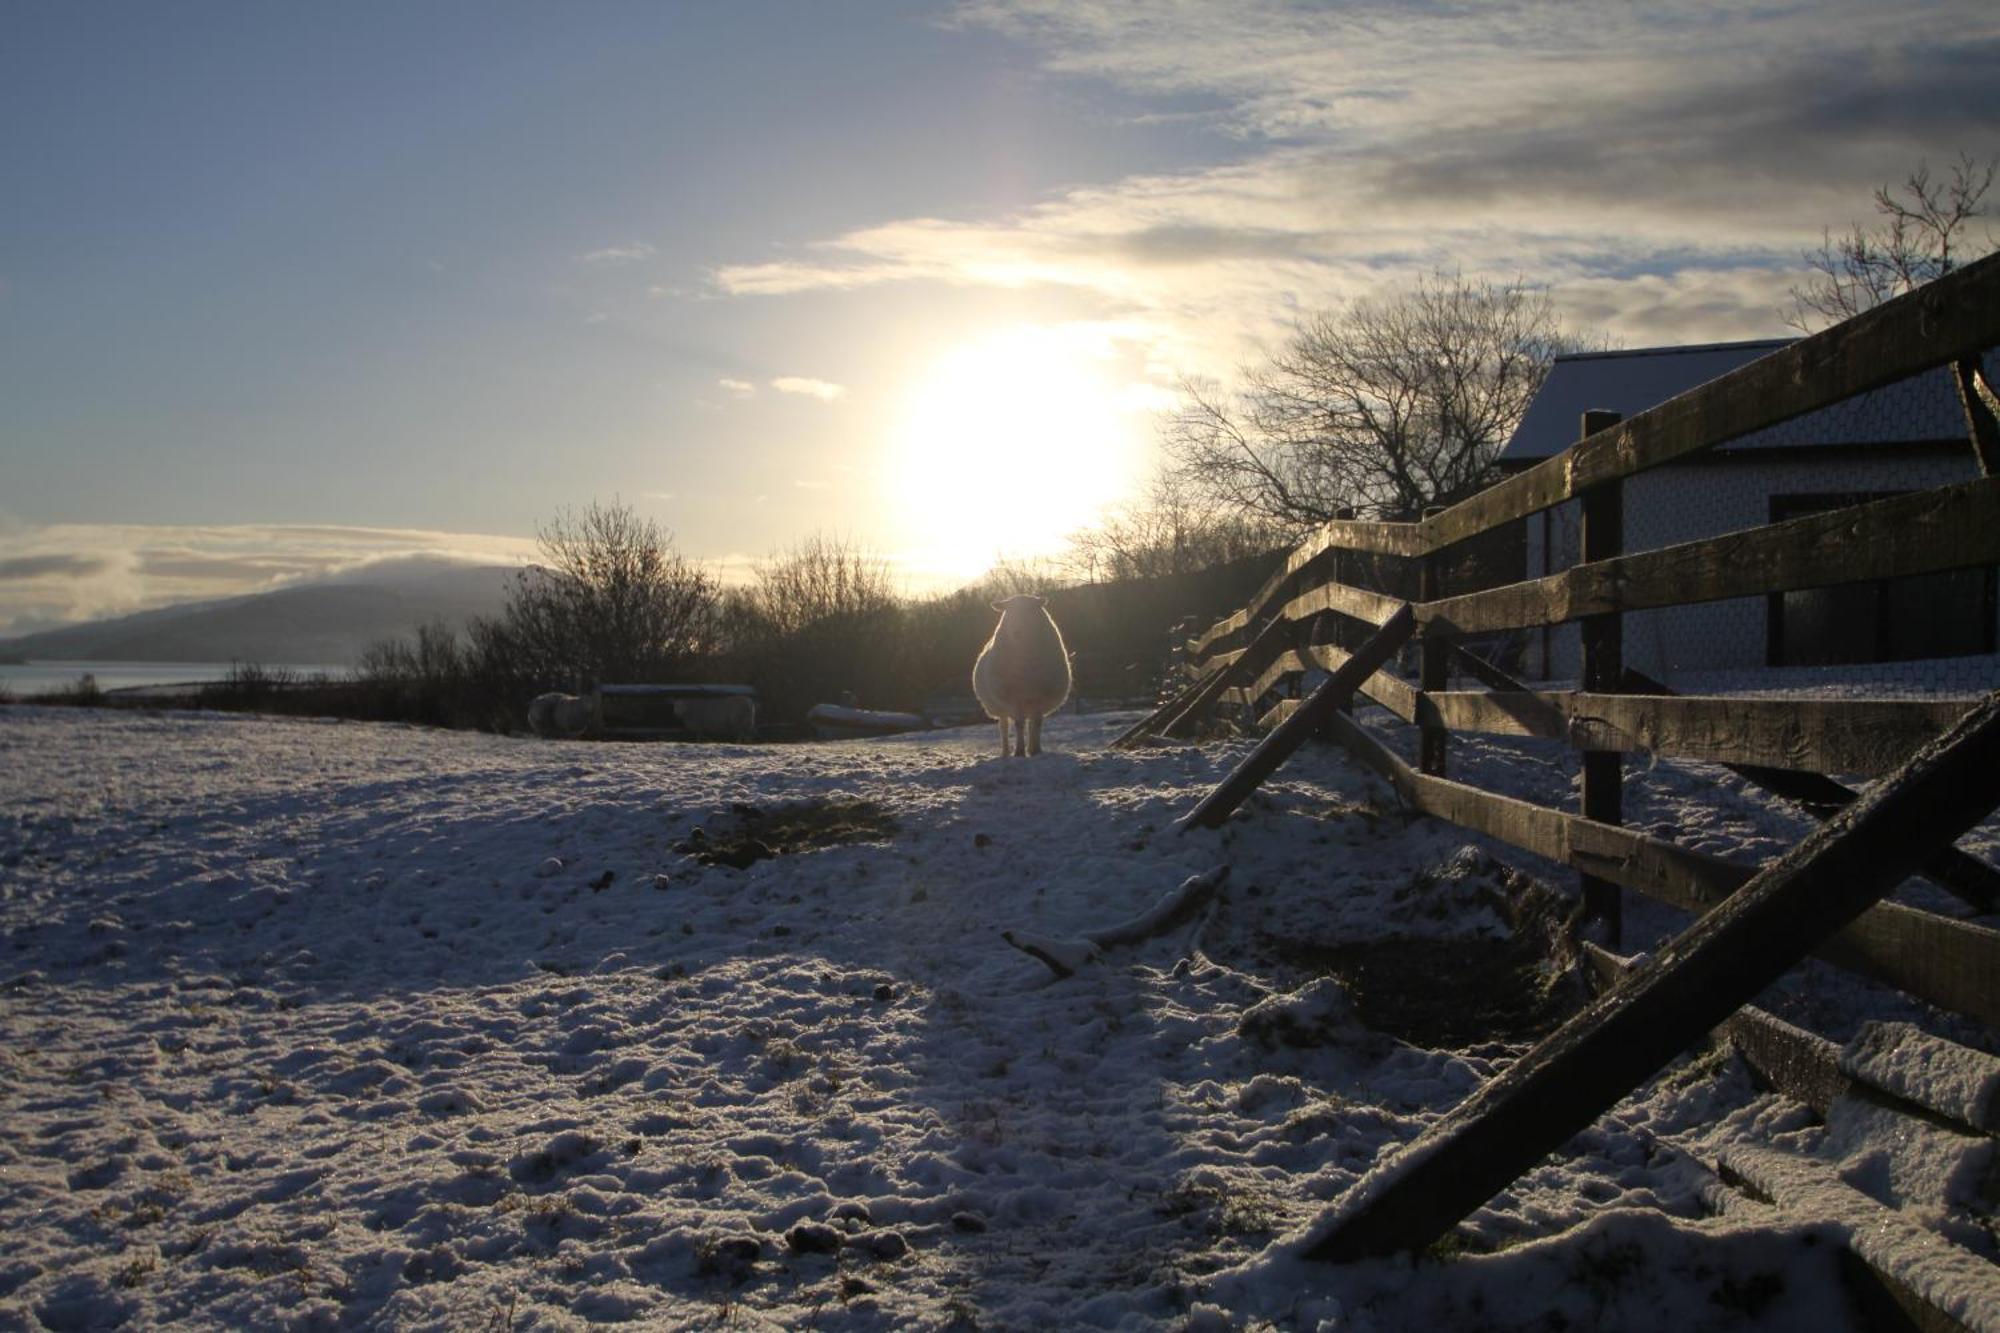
(752, 833)
(1445, 993)
(1469, 951)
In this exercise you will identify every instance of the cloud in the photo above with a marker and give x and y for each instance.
(51, 566)
(628, 253)
(1668, 164)
(823, 390)
(740, 388)
(61, 573)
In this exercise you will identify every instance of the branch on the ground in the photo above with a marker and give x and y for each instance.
(1064, 955)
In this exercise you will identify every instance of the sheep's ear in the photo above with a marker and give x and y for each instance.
(1001, 607)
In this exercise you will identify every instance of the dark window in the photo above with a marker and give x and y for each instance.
(1877, 620)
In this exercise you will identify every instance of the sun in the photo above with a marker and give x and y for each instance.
(1007, 444)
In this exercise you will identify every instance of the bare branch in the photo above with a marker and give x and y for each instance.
(1929, 228)
(1382, 409)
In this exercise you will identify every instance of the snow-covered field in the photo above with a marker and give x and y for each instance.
(326, 1024)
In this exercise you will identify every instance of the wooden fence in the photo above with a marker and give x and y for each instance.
(1305, 618)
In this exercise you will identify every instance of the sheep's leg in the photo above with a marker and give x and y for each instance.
(1020, 736)
(1034, 733)
(1003, 738)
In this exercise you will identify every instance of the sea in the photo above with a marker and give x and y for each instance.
(22, 679)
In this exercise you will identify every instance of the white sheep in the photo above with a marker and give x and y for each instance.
(728, 717)
(1022, 672)
(562, 714)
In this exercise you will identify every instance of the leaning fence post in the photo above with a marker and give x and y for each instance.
(1602, 537)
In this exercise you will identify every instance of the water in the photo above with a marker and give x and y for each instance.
(36, 677)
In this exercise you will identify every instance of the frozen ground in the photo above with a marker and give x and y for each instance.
(335, 1025)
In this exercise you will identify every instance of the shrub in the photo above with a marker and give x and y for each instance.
(612, 601)
(84, 690)
(248, 685)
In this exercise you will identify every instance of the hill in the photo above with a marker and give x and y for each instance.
(318, 623)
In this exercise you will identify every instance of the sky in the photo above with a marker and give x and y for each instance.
(287, 291)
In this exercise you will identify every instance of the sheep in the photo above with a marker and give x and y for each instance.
(562, 714)
(727, 717)
(1023, 672)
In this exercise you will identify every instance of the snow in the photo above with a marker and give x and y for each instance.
(326, 1024)
(865, 717)
(1898, 1057)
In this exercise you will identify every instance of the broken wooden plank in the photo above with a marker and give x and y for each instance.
(1958, 315)
(1714, 967)
(1923, 532)
(1279, 746)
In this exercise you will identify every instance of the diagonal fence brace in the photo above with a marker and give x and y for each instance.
(1713, 968)
(1182, 711)
(1295, 730)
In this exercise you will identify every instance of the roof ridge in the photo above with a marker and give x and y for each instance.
(1679, 349)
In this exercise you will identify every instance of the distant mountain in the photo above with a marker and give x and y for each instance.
(319, 624)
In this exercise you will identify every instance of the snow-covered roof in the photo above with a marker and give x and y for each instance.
(1924, 408)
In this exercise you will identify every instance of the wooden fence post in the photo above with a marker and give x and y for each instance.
(1433, 661)
(1602, 536)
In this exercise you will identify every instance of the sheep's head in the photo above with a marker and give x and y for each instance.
(1019, 600)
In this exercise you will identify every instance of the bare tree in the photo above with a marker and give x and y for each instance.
(610, 601)
(1171, 530)
(1382, 408)
(820, 578)
(1928, 228)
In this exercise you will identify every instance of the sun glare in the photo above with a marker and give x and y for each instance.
(1008, 444)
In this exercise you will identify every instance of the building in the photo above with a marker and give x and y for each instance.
(1907, 436)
